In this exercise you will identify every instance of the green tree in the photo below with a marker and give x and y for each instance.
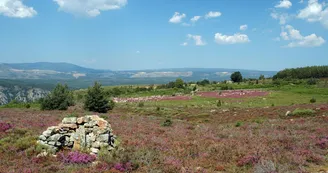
(95, 100)
(236, 77)
(261, 77)
(179, 83)
(60, 98)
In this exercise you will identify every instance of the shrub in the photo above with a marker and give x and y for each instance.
(311, 81)
(219, 103)
(249, 160)
(60, 98)
(27, 105)
(76, 157)
(167, 123)
(141, 104)
(17, 140)
(5, 126)
(238, 124)
(95, 100)
(303, 112)
(313, 100)
(158, 108)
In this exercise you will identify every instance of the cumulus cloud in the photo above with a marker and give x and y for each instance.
(231, 39)
(90, 8)
(195, 19)
(16, 8)
(184, 44)
(297, 40)
(177, 17)
(284, 4)
(213, 14)
(282, 17)
(315, 12)
(197, 38)
(243, 27)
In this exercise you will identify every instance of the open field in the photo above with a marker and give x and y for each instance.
(246, 133)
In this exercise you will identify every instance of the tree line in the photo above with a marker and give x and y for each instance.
(303, 73)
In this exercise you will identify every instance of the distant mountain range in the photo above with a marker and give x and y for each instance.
(66, 71)
(31, 81)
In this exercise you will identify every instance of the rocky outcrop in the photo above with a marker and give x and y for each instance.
(85, 133)
(20, 94)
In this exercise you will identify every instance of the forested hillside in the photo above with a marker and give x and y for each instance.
(303, 73)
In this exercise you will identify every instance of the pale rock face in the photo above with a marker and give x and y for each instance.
(90, 132)
(20, 94)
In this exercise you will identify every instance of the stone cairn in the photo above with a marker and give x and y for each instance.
(85, 133)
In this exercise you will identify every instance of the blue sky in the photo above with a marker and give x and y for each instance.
(150, 34)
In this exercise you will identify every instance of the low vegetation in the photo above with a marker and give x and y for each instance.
(201, 126)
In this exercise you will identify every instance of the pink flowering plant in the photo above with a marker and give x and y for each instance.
(5, 126)
(76, 157)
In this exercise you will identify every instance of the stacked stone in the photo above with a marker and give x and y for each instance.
(85, 133)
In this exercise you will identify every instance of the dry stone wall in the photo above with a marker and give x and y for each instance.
(85, 133)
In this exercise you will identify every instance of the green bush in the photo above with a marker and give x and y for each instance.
(219, 103)
(95, 100)
(238, 124)
(312, 81)
(27, 106)
(141, 104)
(313, 100)
(59, 99)
(18, 140)
(303, 112)
(167, 123)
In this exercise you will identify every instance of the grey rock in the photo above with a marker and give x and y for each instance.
(55, 137)
(103, 138)
(94, 150)
(96, 144)
(69, 120)
(42, 137)
(47, 133)
(52, 143)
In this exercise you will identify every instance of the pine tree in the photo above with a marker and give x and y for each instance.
(95, 100)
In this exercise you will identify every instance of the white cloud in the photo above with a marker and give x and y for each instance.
(231, 39)
(297, 40)
(315, 12)
(186, 24)
(16, 8)
(243, 27)
(197, 38)
(213, 14)
(282, 17)
(89, 8)
(177, 17)
(301, 1)
(184, 44)
(284, 4)
(195, 19)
